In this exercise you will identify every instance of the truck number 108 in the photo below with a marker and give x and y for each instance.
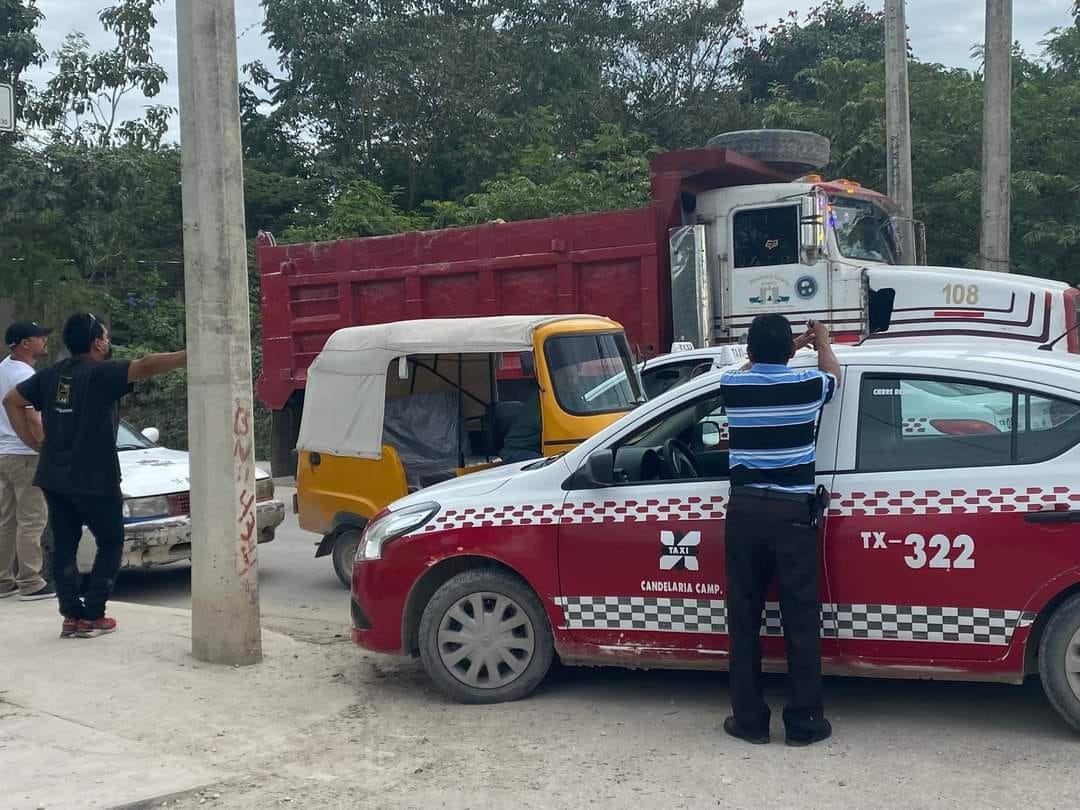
(940, 552)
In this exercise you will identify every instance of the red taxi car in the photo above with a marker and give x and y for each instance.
(944, 555)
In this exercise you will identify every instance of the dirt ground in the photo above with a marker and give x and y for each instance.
(611, 738)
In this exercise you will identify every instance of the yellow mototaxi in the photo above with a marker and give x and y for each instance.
(392, 408)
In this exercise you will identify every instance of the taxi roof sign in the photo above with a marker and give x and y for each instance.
(7, 108)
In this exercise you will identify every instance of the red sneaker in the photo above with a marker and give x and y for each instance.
(70, 628)
(88, 628)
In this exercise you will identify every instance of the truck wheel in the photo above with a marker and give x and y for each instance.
(1059, 661)
(784, 149)
(484, 638)
(284, 430)
(344, 554)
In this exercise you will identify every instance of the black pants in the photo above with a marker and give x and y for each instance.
(767, 539)
(103, 515)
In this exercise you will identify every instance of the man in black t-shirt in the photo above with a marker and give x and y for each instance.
(78, 469)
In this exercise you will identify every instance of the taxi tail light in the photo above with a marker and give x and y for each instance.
(962, 427)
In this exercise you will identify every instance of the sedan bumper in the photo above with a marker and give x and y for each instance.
(168, 540)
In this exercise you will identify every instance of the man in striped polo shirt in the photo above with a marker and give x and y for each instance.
(771, 531)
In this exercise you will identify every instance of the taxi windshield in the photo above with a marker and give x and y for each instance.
(592, 374)
(863, 229)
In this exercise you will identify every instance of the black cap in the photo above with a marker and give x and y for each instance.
(21, 330)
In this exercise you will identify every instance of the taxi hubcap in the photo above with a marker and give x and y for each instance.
(486, 640)
(1072, 663)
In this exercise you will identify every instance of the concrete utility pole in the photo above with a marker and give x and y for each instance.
(997, 137)
(898, 122)
(224, 579)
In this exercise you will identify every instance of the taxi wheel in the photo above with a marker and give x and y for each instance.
(485, 638)
(344, 554)
(1059, 661)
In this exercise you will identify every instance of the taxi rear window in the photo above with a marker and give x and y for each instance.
(911, 423)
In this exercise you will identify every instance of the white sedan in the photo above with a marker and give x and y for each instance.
(157, 504)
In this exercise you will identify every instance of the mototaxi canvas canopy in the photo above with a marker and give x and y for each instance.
(345, 400)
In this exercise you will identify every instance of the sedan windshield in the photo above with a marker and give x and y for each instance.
(593, 373)
(130, 439)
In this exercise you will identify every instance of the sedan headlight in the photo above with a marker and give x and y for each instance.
(392, 526)
(264, 489)
(146, 508)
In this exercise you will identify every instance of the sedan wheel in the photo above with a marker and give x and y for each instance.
(484, 638)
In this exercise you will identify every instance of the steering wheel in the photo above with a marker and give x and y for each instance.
(680, 461)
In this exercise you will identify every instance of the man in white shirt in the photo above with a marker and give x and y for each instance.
(23, 514)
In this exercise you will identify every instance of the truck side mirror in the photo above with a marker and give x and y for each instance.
(813, 211)
(403, 368)
(598, 472)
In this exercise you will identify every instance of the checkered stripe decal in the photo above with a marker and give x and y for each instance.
(878, 622)
(954, 502)
(644, 613)
(648, 510)
(851, 504)
(917, 623)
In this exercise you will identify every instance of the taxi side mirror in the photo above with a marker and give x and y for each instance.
(707, 435)
(597, 472)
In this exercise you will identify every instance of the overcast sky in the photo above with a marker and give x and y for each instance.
(940, 30)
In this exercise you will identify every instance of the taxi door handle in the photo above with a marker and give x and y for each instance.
(1072, 516)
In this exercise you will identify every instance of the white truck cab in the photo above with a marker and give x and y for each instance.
(831, 251)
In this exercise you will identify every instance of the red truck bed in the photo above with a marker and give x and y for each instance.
(602, 264)
(614, 264)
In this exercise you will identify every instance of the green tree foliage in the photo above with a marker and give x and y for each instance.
(19, 46)
(608, 172)
(81, 101)
(775, 56)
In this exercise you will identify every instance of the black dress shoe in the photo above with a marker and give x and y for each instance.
(732, 727)
(822, 732)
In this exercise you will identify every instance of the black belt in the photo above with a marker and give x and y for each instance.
(773, 494)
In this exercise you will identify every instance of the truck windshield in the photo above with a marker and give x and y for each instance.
(863, 229)
(592, 373)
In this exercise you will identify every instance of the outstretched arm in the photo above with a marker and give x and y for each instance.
(155, 364)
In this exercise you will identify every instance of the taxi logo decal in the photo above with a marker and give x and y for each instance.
(679, 550)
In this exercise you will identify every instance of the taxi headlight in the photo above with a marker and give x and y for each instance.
(264, 489)
(392, 526)
(146, 508)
